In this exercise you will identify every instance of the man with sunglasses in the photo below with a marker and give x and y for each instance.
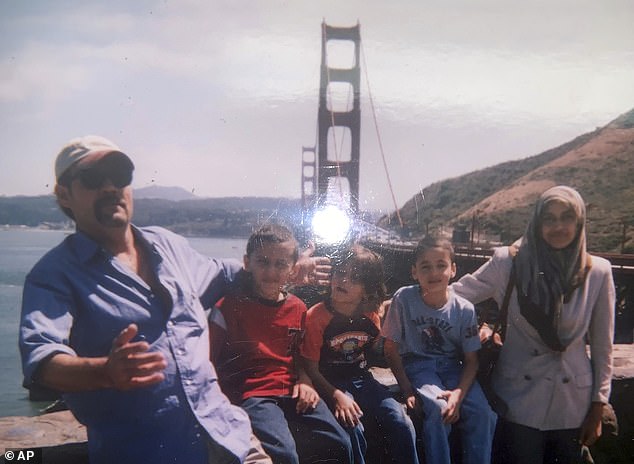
(113, 318)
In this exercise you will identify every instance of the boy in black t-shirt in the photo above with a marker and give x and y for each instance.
(339, 333)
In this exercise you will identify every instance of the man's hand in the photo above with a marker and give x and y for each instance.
(130, 365)
(307, 397)
(312, 270)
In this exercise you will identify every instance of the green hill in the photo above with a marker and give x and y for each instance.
(495, 203)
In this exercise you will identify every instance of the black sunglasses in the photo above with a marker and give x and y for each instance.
(92, 178)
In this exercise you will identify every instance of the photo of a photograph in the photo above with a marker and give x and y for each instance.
(360, 232)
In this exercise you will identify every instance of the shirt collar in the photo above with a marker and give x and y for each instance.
(87, 248)
(270, 303)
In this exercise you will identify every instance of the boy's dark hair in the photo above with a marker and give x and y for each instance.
(271, 233)
(429, 242)
(366, 267)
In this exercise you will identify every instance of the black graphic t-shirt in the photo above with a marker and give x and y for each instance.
(339, 343)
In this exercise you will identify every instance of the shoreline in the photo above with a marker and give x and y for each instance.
(70, 230)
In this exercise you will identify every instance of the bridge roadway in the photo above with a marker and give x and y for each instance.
(397, 252)
(473, 257)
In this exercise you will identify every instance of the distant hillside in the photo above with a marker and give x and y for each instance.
(30, 211)
(164, 193)
(497, 201)
(230, 216)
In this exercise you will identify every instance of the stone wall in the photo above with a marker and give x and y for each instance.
(63, 439)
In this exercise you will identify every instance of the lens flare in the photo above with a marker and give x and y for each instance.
(331, 225)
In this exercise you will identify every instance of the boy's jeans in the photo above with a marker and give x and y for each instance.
(378, 404)
(290, 437)
(477, 420)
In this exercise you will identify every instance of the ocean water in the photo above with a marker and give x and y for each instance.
(19, 251)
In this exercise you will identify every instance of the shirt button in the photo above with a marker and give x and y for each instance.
(188, 382)
(527, 377)
(566, 380)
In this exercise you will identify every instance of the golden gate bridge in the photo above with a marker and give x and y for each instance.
(330, 181)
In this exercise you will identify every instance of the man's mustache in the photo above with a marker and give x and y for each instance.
(109, 200)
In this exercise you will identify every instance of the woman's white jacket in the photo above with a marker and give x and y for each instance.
(547, 389)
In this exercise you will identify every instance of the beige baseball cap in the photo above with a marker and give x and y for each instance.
(87, 149)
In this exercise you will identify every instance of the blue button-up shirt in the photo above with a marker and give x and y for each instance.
(78, 298)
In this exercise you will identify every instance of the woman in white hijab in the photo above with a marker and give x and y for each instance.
(562, 299)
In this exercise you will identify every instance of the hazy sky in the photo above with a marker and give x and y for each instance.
(220, 96)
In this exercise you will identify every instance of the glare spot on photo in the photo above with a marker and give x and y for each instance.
(331, 225)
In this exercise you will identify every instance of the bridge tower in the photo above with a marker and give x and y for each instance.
(332, 175)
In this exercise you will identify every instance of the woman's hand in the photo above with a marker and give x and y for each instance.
(592, 425)
(485, 332)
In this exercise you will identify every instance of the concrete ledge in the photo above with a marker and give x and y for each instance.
(623, 362)
(623, 367)
(64, 439)
(41, 431)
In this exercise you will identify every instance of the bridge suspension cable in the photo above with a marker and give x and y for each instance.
(378, 136)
